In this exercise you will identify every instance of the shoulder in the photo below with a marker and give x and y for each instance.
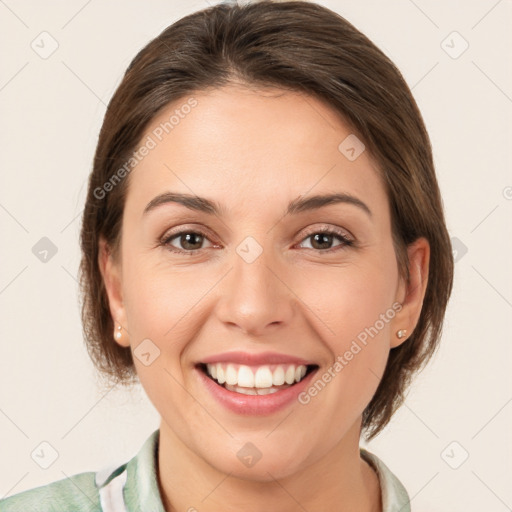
(77, 493)
(96, 491)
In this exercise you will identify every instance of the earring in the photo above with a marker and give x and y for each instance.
(401, 333)
(118, 334)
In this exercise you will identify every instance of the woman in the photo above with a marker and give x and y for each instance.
(264, 249)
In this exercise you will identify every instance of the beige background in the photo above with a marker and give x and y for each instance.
(51, 114)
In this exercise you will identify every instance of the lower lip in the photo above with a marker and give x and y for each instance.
(255, 404)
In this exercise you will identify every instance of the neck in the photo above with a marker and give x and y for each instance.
(340, 481)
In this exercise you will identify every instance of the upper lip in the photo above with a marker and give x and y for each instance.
(249, 359)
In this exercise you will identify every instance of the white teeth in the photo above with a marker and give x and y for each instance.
(263, 377)
(245, 377)
(260, 378)
(243, 391)
(252, 391)
(300, 372)
(278, 376)
(231, 375)
(290, 375)
(267, 391)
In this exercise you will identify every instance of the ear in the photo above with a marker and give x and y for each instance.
(111, 272)
(411, 294)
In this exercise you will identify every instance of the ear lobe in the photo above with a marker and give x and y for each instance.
(411, 294)
(111, 273)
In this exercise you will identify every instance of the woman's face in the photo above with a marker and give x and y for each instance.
(256, 278)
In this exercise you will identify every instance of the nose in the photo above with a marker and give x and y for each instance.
(255, 296)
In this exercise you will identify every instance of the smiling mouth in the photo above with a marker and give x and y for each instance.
(264, 390)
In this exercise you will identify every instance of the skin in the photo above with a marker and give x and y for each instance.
(253, 152)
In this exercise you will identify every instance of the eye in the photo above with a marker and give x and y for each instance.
(322, 239)
(190, 241)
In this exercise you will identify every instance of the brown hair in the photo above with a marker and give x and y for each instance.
(298, 46)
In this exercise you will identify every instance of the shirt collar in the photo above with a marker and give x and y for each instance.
(394, 494)
(142, 491)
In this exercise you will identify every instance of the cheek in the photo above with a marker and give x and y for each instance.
(158, 298)
(348, 301)
(354, 312)
(161, 306)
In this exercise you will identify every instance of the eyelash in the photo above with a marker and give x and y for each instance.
(346, 242)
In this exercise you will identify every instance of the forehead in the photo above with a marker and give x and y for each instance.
(250, 148)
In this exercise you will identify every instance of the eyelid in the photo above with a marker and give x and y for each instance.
(331, 229)
(345, 235)
(347, 239)
(173, 233)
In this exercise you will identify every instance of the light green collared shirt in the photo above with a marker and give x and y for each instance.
(133, 487)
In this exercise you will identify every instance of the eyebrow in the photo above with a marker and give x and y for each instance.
(295, 206)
